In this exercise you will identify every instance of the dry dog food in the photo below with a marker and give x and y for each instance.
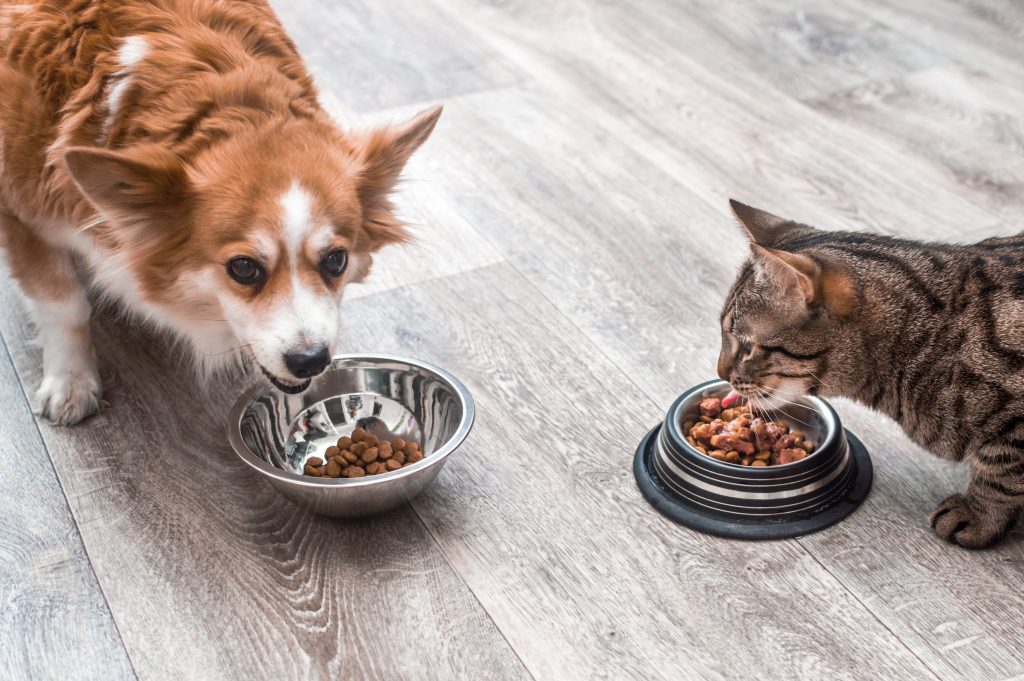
(363, 454)
(737, 436)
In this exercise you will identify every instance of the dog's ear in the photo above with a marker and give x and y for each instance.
(382, 154)
(143, 183)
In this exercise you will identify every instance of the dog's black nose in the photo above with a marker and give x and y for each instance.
(307, 362)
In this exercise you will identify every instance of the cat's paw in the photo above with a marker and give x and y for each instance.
(957, 520)
(66, 399)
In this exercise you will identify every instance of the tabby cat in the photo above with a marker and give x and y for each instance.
(930, 334)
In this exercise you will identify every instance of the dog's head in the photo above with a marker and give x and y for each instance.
(249, 244)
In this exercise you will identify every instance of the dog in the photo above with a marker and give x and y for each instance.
(172, 155)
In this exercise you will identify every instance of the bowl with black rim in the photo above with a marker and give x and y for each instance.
(746, 502)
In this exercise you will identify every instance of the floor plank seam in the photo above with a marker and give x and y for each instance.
(473, 593)
(71, 513)
(871, 612)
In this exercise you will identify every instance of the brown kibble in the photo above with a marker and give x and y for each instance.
(372, 440)
(353, 472)
(758, 463)
(370, 454)
(349, 457)
(373, 468)
(332, 452)
(746, 461)
(687, 426)
(414, 456)
(314, 461)
(344, 442)
(358, 448)
(732, 457)
(398, 443)
(706, 419)
(412, 446)
(359, 434)
(384, 451)
(398, 456)
(717, 454)
(392, 465)
(762, 456)
(311, 470)
(323, 470)
(333, 469)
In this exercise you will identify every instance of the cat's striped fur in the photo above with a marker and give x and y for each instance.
(930, 334)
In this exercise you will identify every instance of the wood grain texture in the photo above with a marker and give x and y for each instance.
(804, 49)
(211, 575)
(965, 121)
(986, 35)
(719, 136)
(54, 621)
(376, 55)
(959, 611)
(540, 514)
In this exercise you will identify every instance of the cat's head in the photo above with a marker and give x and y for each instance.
(784, 319)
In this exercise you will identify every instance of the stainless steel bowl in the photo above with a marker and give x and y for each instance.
(389, 396)
(747, 502)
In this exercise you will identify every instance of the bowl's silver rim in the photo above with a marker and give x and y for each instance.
(435, 458)
(820, 405)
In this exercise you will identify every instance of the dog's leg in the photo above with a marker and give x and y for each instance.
(70, 390)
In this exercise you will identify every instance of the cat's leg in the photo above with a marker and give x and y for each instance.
(70, 390)
(986, 512)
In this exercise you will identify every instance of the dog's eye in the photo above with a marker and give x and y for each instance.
(335, 261)
(245, 271)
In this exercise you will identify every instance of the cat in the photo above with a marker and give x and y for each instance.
(930, 334)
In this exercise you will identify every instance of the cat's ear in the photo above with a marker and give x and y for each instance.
(799, 278)
(762, 227)
(792, 274)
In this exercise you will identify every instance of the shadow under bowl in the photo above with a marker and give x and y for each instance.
(389, 396)
(745, 502)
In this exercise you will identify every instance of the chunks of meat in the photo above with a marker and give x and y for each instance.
(734, 435)
(711, 407)
(787, 456)
(732, 443)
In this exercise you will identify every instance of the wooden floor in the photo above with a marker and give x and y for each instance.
(575, 245)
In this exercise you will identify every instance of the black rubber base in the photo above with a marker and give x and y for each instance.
(673, 508)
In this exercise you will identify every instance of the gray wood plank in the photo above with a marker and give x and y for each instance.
(804, 49)
(720, 136)
(211, 575)
(979, 34)
(957, 610)
(371, 55)
(965, 121)
(540, 514)
(54, 621)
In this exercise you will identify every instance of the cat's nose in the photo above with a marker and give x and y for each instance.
(723, 368)
(306, 362)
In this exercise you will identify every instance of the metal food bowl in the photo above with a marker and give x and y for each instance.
(391, 397)
(745, 502)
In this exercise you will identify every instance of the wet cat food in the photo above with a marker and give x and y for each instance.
(363, 454)
(735, 435)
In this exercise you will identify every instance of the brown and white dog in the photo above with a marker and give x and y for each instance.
(172, 154)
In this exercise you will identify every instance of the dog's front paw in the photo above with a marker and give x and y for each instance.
(68, 398)
(959, 521)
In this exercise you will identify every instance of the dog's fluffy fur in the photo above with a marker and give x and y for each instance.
(144, 145)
